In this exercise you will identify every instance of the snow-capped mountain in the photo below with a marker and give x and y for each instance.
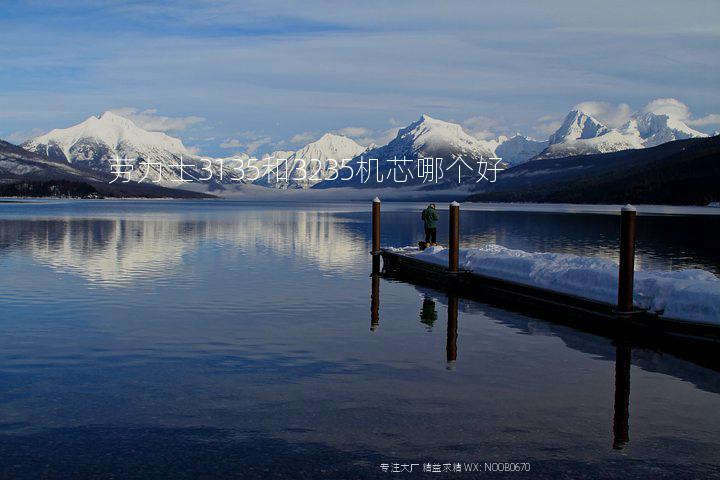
(96, 139)
(581, 134)
(429, 136)
(38, 174)
(425, 138)
(18, 163)
(280, 154)
(309, 165)
(94, 143)
(518, 149)
(655, 129)
(576, 126)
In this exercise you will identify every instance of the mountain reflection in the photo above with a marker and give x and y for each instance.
(118, 251)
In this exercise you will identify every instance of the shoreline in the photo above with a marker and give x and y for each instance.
(560, 208)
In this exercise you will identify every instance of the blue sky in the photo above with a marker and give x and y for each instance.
(232, 76)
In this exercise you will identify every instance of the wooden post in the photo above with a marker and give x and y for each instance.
(454, 237)
(627, 260)
(375, 226)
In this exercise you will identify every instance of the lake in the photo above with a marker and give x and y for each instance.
(191, 339)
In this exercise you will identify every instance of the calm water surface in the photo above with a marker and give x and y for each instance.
(220, 339)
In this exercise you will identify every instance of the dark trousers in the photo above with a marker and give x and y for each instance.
(430, 235)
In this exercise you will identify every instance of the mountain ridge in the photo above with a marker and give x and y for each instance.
(33, 174)
(582, 134)
(427, 137)
(92, 144)
(681, 172)
(310, 164)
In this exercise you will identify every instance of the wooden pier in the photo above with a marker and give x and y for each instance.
(626, 326)
(572, 310)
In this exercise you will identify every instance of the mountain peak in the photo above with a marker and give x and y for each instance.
(314, 157)
(113, 120)
(426, 119)
(97, 139)
(654, 129)
(518, 148)
(331, 145)
(110, 116)
(581, 134)
(431, 127)
(576, 126)
(332, 137)
(428, 135)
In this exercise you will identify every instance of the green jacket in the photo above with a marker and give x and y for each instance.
(430, 217)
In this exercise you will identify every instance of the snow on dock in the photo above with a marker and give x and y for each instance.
(690, 294)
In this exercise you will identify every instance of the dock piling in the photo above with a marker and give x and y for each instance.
(375, 226)
(454, 240)
(627, 260)
(375, 251)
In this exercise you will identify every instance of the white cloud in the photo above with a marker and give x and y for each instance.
(676, 109)
(354, 131)
(254, 145)
(671, 107)
(712, 119)
(304, 137)
(232, 143)
(378, 137)
(21, 136)
(149, 119)
(250, 140)
(483, 128)
(556, 58)
(547, 125)
(611, 115)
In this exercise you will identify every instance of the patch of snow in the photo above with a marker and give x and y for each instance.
(690, 294)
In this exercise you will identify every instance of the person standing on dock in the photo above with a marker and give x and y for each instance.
(430, 219)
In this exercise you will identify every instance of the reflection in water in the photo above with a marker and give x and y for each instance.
(237, 323)
(103, 251)
(428, 314)
(118, 251)
(375, 302)
(115, 249)
(452, 327)
(621, 429)
(623, 355)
